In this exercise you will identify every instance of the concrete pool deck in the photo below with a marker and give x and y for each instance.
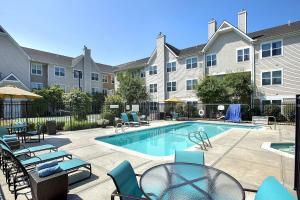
(239, 153)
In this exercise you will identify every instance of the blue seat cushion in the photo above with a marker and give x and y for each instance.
(35, 149)
(10, 139)
(271, 189)
(46, 165)
(125, 180)
(195, 157)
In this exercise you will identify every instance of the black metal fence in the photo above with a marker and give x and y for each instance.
(297, 147)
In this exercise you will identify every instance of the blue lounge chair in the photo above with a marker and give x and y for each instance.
(174, 115)
(271, 189)
(125, 180)
(126, 121)
(195, 157)
(137, 119)
(30, 150)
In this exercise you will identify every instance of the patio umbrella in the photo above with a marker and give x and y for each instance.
(173, 100)
(16, 93)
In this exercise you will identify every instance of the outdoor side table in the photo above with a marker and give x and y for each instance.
(14, 145)
(187, 181)
(51, 187)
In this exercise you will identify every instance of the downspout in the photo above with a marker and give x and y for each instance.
(253, 74)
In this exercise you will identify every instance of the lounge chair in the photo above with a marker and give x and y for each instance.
(30, 150)
(37, 133)
(68, 166)
(126, 183)
(195, 157)
(126, 121)
(137, 119)
(174, 115)
(271, 189)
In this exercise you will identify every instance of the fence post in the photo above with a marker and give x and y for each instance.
(297, 144)
(70, 110)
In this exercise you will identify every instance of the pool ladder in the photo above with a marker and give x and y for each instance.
(200, 138)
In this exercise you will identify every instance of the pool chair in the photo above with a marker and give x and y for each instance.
(19, 175)
(271, 189)
(30, 150)
(137, 119)
(36, 133)
(174, 115)
(194, 157)
(126, 183)
(126, 121)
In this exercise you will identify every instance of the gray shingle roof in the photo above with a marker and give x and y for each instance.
(133, 64)
(105, 68)
(47, 57)
(278, 30)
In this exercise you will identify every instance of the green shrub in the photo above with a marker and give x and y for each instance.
(31, 126)
(290, 112)
(79, 125)
(60, 126)
(113, 100)
(109, 116)
(272, 110)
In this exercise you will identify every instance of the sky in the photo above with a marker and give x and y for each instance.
(119, 31)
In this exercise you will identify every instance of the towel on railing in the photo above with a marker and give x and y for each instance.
(49, 171)
(46, 165)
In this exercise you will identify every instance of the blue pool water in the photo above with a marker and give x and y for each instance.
(163, 141)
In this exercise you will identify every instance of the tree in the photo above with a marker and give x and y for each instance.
(79, 103)
(131, 87)
(98, 101)
(239, 87)
(113, 100)
(212, 90)
(52, 98)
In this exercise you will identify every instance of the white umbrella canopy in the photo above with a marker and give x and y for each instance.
(16, 93)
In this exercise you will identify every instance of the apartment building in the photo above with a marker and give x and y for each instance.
(272, 56)
(34, 69)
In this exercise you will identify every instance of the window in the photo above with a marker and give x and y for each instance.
(191, 63)
(243, 55)
(152, 70)
(271, 49)
(142, 74)
(95, 76)
(171, 66)
(36, 85)
(36, 69)
(272, 78)
(94, 91)
(191, 84)
(211, 60)
(153, 105)
(104, 78)
(77, 74)
(273, 103)
(153, 88)
(59, 71)
(112, 80)
(104, 91)
(171, 86)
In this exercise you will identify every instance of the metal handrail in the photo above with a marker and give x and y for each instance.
(197, 137)
(275, 122)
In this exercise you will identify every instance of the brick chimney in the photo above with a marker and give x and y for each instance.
(242, 21)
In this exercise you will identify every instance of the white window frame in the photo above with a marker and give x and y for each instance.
(186, 84)
(153, 87)
(112, 80)
(151, 69)
(172, 86)
(271, 48)
(191, 58)
(59, 68)
(37, 83)
(271, 72)
(104, 75)
(237, 55)
(92, 76)
(142, 71)
(151, 105)
(79, 71)
(211, 54)
(171, 63)
(104, 91)
(37, 64)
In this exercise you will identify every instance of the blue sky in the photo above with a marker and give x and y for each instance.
(119, 31)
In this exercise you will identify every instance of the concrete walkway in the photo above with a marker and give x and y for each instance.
(238, 153)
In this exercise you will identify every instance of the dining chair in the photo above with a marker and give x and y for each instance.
(196, 157)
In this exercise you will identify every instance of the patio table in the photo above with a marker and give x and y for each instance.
(18, 129)
(188, 181)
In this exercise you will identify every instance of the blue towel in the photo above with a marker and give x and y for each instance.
(10, 139)
(233, 113)
(49, 171)
(9, 136)
(46, 165)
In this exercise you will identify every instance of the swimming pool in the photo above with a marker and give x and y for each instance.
(163, 141)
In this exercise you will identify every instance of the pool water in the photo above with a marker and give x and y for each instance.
(284, 147)
(163, 141)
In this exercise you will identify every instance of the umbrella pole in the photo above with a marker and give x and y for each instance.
(11, 110)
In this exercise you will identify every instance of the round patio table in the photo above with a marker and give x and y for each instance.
(186, 181)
